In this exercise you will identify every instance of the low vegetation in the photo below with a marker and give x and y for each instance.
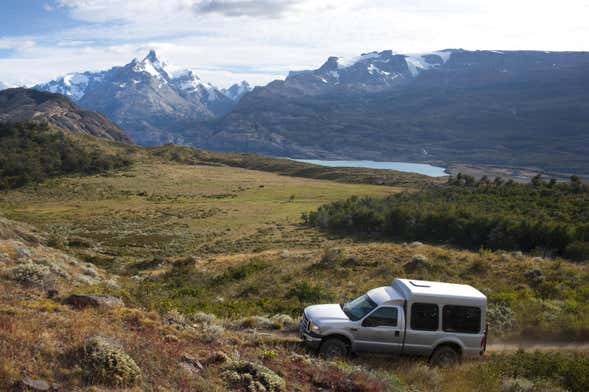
(546, 218)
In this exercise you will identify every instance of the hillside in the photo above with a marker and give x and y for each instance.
(203, 270)
(32, 152)
(517, 109)
(20, 104)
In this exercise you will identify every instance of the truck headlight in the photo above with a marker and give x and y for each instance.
(314, 328)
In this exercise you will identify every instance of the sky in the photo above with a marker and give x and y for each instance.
(226, 41)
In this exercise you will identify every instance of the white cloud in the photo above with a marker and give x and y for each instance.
(16, 43)
(229, 40)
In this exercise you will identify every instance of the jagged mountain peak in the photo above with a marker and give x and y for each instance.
(152, 56)
(154, 66)
(238, 90)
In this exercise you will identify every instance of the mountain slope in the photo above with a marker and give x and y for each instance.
(484, 107)
(20, 104)
(152, 100)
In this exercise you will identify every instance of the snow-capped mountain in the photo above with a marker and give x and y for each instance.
(454, 105)
(73, 85)
(148, 97)
(237, 91)
(3, 86)
(374, 71)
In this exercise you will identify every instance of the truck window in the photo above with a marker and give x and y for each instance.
(358, 308)
(424, 317)
(463, 319)
(386, 316)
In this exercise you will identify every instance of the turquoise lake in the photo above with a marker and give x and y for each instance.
(420, 168)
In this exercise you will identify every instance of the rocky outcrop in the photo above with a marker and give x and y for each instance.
(94, 301)
(28, 384)
(20, 104)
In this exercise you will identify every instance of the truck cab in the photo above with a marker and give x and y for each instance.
(443, 321)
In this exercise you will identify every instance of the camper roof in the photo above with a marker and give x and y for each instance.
(420, 290)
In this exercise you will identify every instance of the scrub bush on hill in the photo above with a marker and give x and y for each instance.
(547, 218)
(570, 370)
(32, 152)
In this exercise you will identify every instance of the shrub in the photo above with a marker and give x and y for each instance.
(256, 322)
(249, 375)
(500, 317)
(284, 321)
(106, 363)
(203, 318)
(570, 370)
(211, 333)
(307, 293)
(578, 250)
(30, 274)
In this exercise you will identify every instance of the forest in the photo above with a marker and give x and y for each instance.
(31, 152)
(547, 218)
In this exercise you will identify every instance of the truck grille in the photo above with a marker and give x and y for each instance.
(306, 322)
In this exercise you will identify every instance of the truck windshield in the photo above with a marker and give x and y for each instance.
(359, 307)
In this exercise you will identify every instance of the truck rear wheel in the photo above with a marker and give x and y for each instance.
(445, 357)
(334, 348)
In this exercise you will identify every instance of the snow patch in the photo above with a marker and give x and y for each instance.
(346, 63)
(334, 74)
(417, 62)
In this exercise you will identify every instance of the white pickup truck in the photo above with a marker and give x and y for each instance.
(442, 321)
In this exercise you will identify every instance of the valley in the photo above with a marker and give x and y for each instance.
(210, 257)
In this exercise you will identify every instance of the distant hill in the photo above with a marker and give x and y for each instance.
(518, 108)
(153, 101)
(20, 104)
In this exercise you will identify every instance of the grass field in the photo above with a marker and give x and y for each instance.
(165, 209)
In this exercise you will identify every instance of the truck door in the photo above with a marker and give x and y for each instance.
(381, 330)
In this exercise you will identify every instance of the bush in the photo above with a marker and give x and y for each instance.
(578, 250)
(571, 371)
(252, 375)
(106, 363)
(307, 293)
(30, 274)
(258, 322)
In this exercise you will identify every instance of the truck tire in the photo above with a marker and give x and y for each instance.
(334, 348)
(444, 357)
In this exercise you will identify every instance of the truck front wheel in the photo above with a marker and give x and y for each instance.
(334, 348)
(444, 357)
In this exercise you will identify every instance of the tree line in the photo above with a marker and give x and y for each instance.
(547, 217)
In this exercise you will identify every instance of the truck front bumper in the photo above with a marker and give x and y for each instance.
(312, 340)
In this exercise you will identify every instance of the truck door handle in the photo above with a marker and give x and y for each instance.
(397, 333)
(353, 329)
